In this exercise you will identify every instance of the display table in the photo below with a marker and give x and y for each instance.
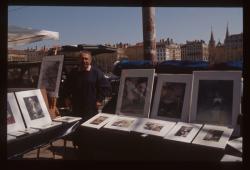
(24, 144)
(106, 144)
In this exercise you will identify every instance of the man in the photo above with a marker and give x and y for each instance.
(85, 88)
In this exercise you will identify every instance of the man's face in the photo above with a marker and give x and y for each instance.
(86, 60)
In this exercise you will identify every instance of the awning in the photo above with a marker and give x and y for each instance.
(22, 36)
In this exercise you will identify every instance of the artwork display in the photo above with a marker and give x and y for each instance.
(67, 119)
(98, 120)
(122, 123)
(135, 92)
(33, 108)
(216, 97)
(17, 133)
(172, 97)
(236, 143)
(153, 126)
(183, 132)
(50, 74)
(14, 117)
(214, 136)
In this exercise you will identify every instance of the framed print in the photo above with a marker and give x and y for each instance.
(231, 158)
(14, 117)
(33, 108)
(122, 123)
(236, 143)
(50, 74)
(98, 120)
(135, 92)
(67, 119)
(216, 97)
(172, 97)
(153, 126)
(214, 136)
(183, 132)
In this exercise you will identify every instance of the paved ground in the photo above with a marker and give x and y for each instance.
(46, 153)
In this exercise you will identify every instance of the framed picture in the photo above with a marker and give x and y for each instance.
(14, 117)
(216, 97)
(153, 126)
(172, 97)
(214, 136)
(50, 74)
(67, 119)
(98, 120)
(122, 123)
(183, 132)
(236, 143)
(135, 92)
(33, 108)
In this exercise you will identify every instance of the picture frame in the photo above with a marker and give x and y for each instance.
(33, 108)
(50, 74)
(213, 136)
(98, 120)
(216, 97)
(67, 119)
(135, 92)
(183, 132)
(123, 123)
(153, 126)
(172, 97)
(14, 118)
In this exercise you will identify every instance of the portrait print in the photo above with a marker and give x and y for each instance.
(10, 116)
(50, 73)
(34, 108)
(184, 131)
(171, 100)
(123, 123)
(134, 94)
(99, 120)
(213, 135)
(153, 126)
(215, 101)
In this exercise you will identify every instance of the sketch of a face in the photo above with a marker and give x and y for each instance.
(34, 108)
(171, 100)
(134, 94)
(99, 120)
(50, 72)
(183, 131)
(153, 126)
(213, 135)
(215, 99)
(10, 117)
(123, 123)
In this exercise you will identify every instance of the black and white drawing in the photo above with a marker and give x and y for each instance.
(183, 131)
(98, 120)
(216, 97)
(172, 97)
(50, 74)
(213, 135)
(33, 106)
(135, 92)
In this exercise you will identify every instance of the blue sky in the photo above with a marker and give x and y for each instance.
(99, 25)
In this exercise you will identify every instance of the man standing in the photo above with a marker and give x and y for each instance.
(85, 88)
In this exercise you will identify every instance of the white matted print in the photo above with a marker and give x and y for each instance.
(50, 74)
(98, 120)
(214, 136)
(216, 97)
(14, 117)
(236, 143)
(172, 97)
(183, 132)
(123, 123)
(33, 108)
(67, 119)
(135, 92)
(153, 126)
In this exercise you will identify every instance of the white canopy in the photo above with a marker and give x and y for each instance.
(23, 36)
